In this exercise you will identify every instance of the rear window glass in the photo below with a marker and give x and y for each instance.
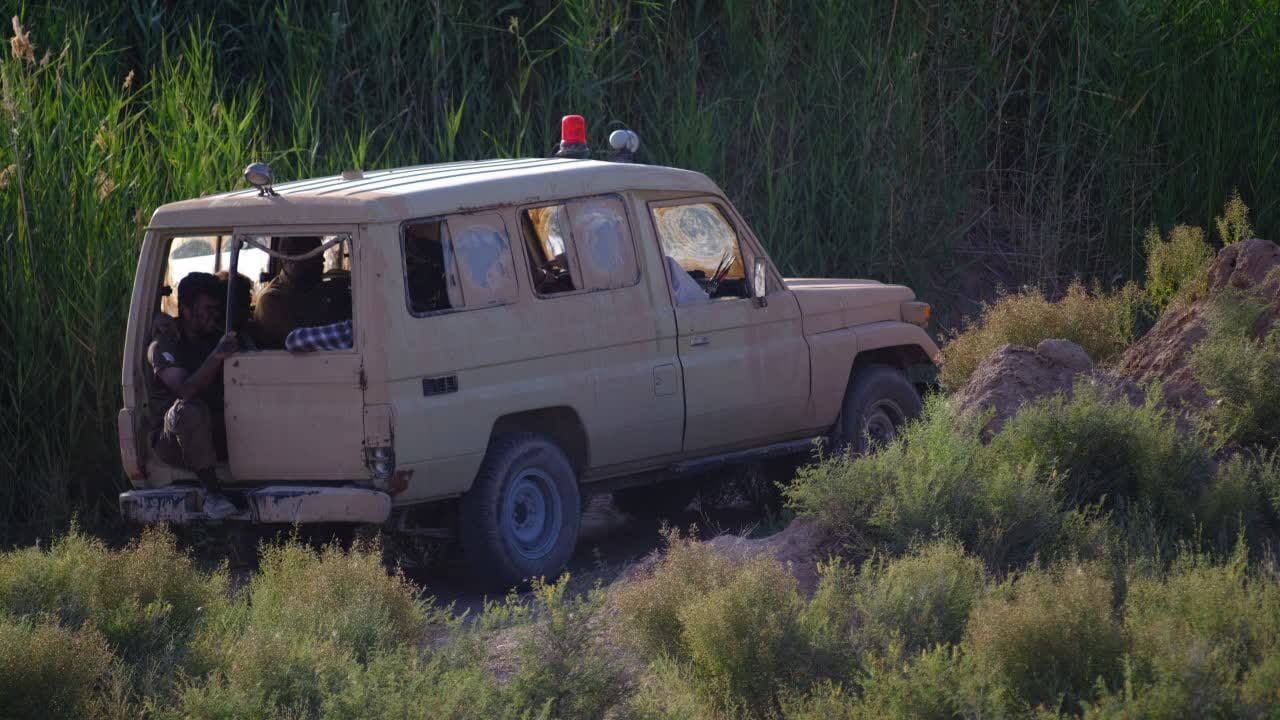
(547, 236)
(603, 242)
(207, 254)
(580, 245)
(460, 262)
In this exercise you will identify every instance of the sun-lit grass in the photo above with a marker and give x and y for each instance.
(1102, 323)
(931, 143)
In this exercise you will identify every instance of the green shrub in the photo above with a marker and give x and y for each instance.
(49, 671)
(1233, 225)
(650, 605)
(732, 629)
(1101, 323)
(332, 594)
(743, 639)
(935, 477)
(941, 682)
(1107, 450)
(404, 684)
(665, 690)
(1205, 637)
(831, 619)
(1049, 636)
(1239, 371)
(1236, 503)
(143, 598)
(266, 673)
(563, 661)
(923, 598)
(1177, 267)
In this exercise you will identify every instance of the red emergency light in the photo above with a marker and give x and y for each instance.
(573, 138)
(573, 130)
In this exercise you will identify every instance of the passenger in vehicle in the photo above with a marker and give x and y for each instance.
(242, 307)
(295, 298)
(185, 386)
(685, 289)
(337, 336)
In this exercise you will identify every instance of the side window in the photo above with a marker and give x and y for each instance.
(547, 237)
(483, 259)
(702, 252)
(462, 262)
(602, 242)
(430, 276)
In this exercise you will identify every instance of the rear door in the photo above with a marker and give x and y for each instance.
(299, 416)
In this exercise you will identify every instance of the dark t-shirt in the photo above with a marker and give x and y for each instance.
(165, 353)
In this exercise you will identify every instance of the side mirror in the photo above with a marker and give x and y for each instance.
(757, 284)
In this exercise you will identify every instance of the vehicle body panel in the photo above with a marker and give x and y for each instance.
(631, 382)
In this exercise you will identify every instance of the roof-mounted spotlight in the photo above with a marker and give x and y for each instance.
(259, 175)
(624, 144)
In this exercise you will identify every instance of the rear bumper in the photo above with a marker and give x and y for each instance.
(286, 504)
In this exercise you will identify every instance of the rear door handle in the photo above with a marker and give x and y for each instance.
(697, 340)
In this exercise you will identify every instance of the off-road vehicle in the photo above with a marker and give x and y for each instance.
(525, 333)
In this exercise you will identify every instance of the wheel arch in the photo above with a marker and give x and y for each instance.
(898, 345)
(561, 424)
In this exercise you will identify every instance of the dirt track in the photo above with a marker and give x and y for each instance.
(610, 541)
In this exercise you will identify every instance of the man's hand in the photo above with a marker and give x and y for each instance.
(229, 345)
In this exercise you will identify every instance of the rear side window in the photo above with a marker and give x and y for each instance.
(580, 245)
(548, 239)
(456, 263)
(603, 241)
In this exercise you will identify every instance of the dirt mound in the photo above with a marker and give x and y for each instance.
(1161, 354)
(800, 547)
(1014, 375)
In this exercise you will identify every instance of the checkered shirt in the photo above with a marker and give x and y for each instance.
(322, 337)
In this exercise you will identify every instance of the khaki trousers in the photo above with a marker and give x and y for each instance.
(187, 438)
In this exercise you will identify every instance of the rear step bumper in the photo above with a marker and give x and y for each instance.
(287, 504)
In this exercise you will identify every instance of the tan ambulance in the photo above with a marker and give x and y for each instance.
(523, 333)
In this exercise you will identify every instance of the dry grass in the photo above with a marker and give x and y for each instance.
(1177, 268)
(1101, 323)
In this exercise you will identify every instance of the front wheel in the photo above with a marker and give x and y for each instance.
(878, 401)
(520, 518)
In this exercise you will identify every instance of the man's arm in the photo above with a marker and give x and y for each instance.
(337, 336)
(188, 385)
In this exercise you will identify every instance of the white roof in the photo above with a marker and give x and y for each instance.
(424, 190)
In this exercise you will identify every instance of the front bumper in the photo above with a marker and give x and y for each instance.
(288, 504)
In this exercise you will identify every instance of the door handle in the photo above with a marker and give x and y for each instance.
(697, 340)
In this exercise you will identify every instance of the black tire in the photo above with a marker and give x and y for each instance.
(663, 500)
(877, 402)
(520, 518)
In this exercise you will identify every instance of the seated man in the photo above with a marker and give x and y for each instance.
(685, 289)
(295, 298)
(185, 386)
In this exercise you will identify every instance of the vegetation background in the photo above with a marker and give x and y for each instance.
(954, 146)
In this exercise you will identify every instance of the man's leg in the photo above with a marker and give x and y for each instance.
(188, 429)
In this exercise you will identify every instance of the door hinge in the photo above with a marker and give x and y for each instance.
(364, 381)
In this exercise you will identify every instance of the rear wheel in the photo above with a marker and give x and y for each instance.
(520, 518)
(878, 401)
